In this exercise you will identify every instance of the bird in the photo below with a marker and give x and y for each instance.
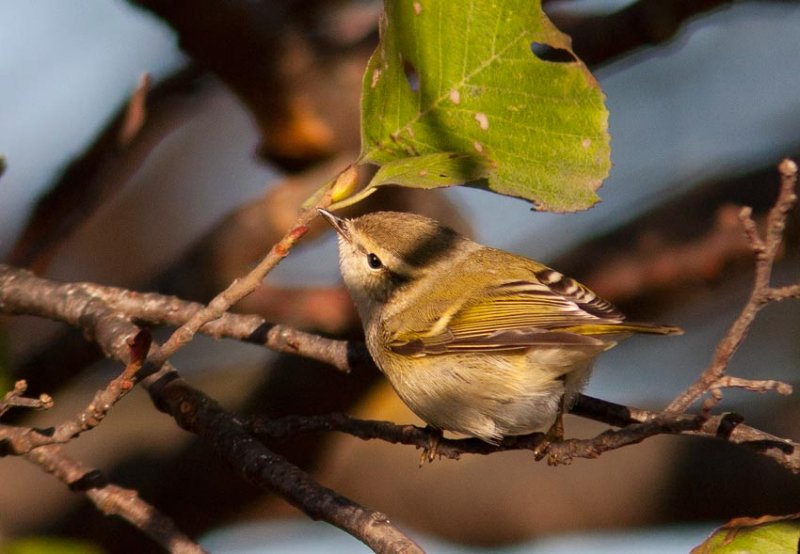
(475, 340)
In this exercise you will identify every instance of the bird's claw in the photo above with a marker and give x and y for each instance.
(430, 451)
(553, 435)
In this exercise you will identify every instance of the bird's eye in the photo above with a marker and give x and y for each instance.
(374, 261)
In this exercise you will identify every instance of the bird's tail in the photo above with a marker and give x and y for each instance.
(624, 328)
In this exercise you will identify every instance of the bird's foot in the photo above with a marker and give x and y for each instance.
(553, 435)
(430, 452)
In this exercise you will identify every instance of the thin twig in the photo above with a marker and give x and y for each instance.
(240, 287)
(766, 250)
(636, 425)
(782, 293)
(20, 440)
(14, 399)
(226, 435)
(157, 309)
(21, 292)
(560, 452)
(112, 499)
(102, 318)
(36, 446)
(728, 427)
(138, 345)
(754, 385)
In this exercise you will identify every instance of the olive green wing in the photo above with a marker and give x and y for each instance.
(548, 309)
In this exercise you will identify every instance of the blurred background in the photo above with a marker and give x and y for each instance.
(179, 180)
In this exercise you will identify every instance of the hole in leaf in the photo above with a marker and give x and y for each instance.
(411, 75)
(547, 53)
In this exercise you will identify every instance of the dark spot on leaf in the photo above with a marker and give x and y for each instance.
(442, 175)
(411, 75)
(548, 53)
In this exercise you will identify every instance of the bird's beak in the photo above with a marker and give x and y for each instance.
(339, 224)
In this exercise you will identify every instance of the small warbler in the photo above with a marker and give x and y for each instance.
(474, 340)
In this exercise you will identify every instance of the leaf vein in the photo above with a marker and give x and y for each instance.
(442, 97)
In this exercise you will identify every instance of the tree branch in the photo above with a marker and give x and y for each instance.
(20, 440)
(14, 399)
(225, 434)
(21, 292)
(240, 288)
(105, 314)
(559, 452)
(766, 250)
(636, 425)
(112, 499)
(157, 309)
(728, 427)
(37, 447)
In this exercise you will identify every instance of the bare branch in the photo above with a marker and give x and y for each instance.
(225, 434)
(728, 427)
(563, 452)
(21, 440)
(23, 292)
(157, 309)
(754, 385)
(36, 447)
(560, 452)
(105, 314)
(636, 425)
(112, 499)
(751, 230)
(766, 249)
(138, 346)
(782, 293)
(239, 288)
(14, 399)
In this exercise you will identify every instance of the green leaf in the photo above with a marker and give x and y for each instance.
(443, 169)
(481, 90)
(768, 534)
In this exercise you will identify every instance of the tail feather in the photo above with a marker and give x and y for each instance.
(624, 327)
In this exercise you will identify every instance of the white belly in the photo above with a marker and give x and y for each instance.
(492, 397)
